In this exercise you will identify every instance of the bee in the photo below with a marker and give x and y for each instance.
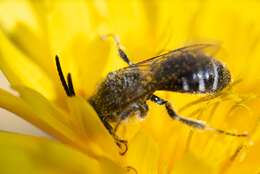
(125, 92)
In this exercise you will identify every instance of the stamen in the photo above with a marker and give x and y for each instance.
(62, 79)
(69, 89)
(70, 85)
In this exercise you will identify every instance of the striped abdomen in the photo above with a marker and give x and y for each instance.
(191, 73)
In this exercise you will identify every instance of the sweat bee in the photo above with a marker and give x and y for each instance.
(124, 92)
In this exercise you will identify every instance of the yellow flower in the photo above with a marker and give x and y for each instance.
(33, 32)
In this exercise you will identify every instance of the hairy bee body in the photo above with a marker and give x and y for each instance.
(124, 92)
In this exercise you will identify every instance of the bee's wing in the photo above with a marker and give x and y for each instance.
(208, 49)
(145, 69)
(145, 66)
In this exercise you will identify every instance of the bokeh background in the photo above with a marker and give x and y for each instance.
(147, 28)
(41, 29)
(13, 123)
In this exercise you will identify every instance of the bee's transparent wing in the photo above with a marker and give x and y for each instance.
(197, 49)
(145, 68)
(208, 49)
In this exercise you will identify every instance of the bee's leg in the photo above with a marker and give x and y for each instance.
(117, 126)
(121, 52)
(191, 122)
(68, 86)
(157, 100)
(122, 144)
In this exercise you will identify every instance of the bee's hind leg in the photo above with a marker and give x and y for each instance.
(198, 124)
(122, 144)
(121, 52)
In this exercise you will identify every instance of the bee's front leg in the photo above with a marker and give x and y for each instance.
(122, 144)
(121, 52)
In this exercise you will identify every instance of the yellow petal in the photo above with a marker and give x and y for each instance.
(138, 35)
(85, 59)
(24, 154)
(32, 44)
(12, 12)
(192, 164)
(61, 32)
(76, 40)
(42, 114)
(86, 123)
(23, 30)
(143, 154)
(245, 161)
(82, 129)
(19, 70)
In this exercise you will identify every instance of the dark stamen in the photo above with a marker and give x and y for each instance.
(70, 85)
(62, 79)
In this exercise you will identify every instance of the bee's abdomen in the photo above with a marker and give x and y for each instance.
(192, 74)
